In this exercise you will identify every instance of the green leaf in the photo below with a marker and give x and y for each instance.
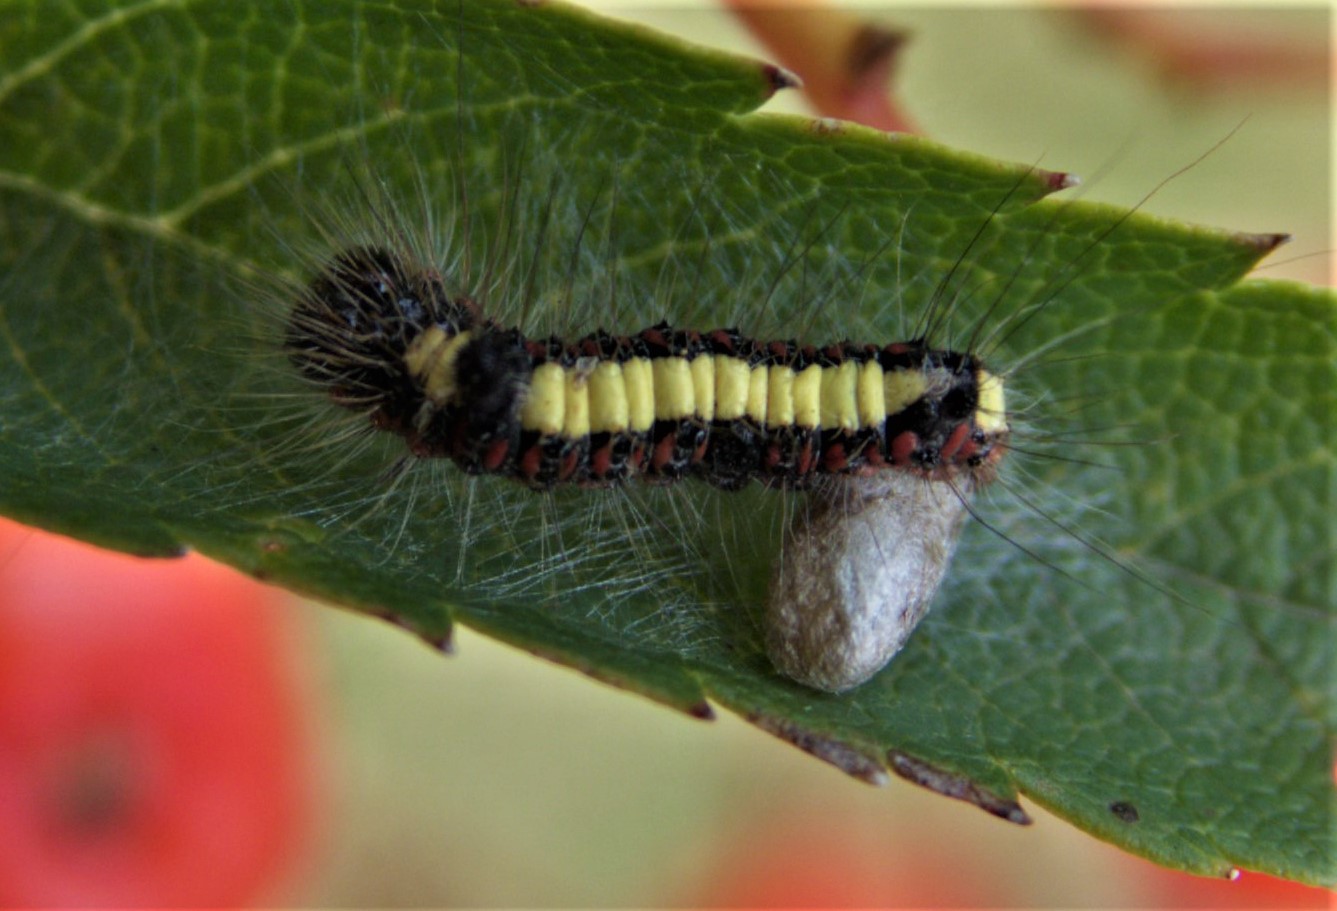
(164, 166)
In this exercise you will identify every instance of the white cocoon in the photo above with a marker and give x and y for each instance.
(856, 574)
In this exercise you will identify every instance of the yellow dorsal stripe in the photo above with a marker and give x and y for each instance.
(544, 408)
(703, 383)
(431, 357)
(639, 380)
(871, 395)
(576, 420)
(808, 397)
(779, 396)
(757, 387)
(839, 404)
(731, 387)
(991, 412)
(609, 410)
(675, 394)
(901, 388)
(605, 396)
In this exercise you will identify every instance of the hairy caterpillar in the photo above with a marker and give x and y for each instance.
(662, 404)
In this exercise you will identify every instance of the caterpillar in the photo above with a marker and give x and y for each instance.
(660, 405)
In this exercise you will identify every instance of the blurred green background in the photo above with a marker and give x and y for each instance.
(492, 779)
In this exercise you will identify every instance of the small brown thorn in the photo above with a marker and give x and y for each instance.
(1060, 180)
(701, 710)
(781, 78)
(848, 759)
(441, 642)
(1263, 243)
(444, 643)
(950, 784)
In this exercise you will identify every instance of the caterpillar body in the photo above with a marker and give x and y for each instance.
(660, 405)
